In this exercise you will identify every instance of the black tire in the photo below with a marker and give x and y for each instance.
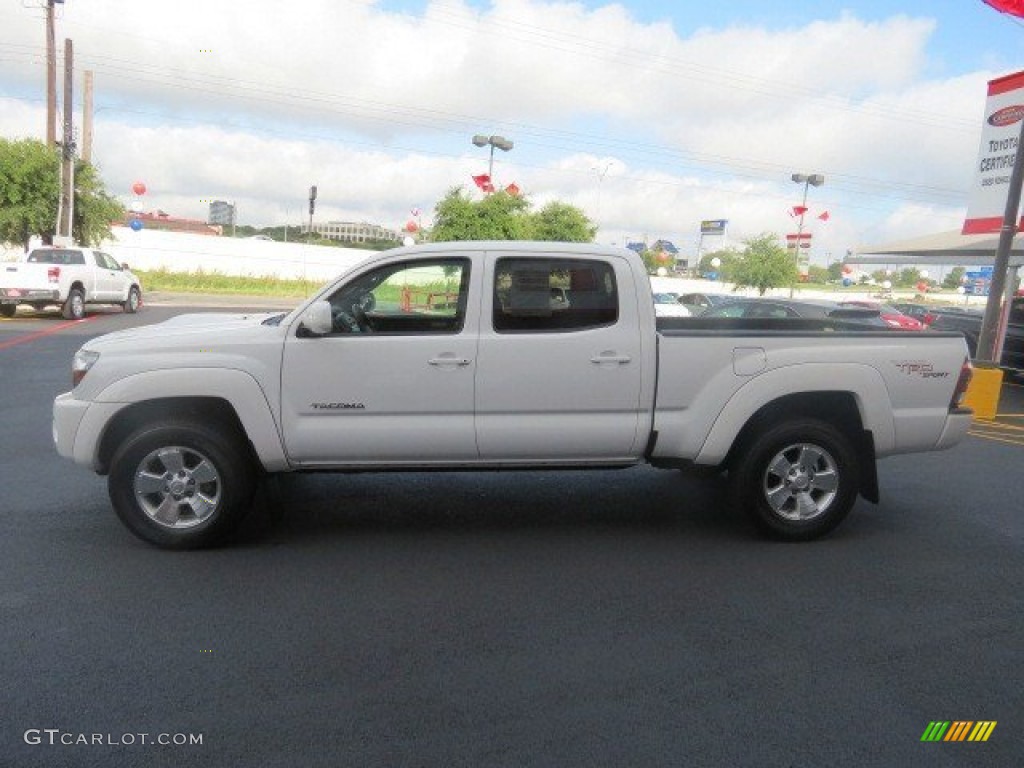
(8, 310)
(74, 306)
(131, 306)
(798, 480)
(179, 484)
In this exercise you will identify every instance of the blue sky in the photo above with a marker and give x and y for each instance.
(648, 115)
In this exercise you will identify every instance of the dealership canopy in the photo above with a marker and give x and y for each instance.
(941, 249)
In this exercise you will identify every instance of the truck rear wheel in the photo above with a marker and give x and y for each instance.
(8, 310)
(799, 480)
(74, 307)
(180, 484)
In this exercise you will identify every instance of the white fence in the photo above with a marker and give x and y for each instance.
(180, 252)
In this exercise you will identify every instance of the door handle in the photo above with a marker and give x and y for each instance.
(610, 357)
(457, 361)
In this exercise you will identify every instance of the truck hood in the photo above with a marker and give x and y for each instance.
(211, 328)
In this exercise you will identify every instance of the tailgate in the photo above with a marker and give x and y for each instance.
(23, 276)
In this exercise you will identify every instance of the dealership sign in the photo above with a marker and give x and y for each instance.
(1000, 133)
(713, 226)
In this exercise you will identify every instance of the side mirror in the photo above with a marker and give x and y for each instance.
(317, 320)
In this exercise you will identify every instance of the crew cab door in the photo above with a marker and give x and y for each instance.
(559, 380)
(111, 280)
(393, 382)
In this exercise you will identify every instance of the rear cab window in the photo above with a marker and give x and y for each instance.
(60, 256)
(538, 295)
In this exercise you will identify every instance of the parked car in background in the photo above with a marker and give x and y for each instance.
(698, 302)
(890, 315)
(774, 309)
(70, 278)
(969, 324)
(665, 305)
(920, 312)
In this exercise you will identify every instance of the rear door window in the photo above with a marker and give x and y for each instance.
(550, 295)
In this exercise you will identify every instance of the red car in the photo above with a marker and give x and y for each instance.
(890, 315)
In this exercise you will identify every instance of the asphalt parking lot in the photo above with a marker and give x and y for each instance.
(500, 619)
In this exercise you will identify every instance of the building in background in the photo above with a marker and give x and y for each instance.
(353, 231)
(161, 221)
(222, 213)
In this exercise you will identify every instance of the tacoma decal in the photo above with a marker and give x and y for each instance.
(337, 406)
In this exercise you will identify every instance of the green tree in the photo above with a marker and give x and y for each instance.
(954, 278)
(835, 271)
(728, 259)
(30, 193)
(816, 274)
(95, 210)
(563, 223)
(501, 216)
(764, 264)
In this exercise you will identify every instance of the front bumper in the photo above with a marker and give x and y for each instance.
(78, 428)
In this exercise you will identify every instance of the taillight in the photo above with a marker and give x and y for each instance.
(929, 318)
(53, 274)
(966, 372)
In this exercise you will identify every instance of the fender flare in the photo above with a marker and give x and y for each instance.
(862, 382)
(239, 388)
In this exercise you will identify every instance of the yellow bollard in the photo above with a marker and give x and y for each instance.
(983, 391)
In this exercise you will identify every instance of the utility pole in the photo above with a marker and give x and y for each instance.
(67, 210)
(87, 117)
(51, 78)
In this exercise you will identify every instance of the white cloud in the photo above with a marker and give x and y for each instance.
(203, 101)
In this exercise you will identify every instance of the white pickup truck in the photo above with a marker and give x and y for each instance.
(70, 278)
(454, 356)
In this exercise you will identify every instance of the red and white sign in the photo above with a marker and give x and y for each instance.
(799, 236)
(999, 136)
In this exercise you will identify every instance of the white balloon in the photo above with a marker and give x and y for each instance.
(407, 241)
(716, 262)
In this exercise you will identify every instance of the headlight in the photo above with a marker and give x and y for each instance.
(84, 360)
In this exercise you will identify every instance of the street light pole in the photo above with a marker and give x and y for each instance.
(813, 179)
(494, 141)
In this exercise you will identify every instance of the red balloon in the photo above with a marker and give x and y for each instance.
(139, 188)
(411, 226)
(662, 257)
(847, 269)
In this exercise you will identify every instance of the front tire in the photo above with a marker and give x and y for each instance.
(131, 306)
(181, 485)
(799, 480)
(74, 307)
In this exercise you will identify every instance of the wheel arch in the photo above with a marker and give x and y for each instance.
(206, 410)
(837, 408)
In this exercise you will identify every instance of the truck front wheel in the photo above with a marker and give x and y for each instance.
(74, 306)
(131, 306)
(799, 480)
(181, 484)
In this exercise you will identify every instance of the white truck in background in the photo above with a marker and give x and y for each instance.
(455, 356)
(68, 277)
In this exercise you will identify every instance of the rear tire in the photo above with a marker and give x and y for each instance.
(74, 307)
(8, 310)
(799, 480)
(179, 484)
